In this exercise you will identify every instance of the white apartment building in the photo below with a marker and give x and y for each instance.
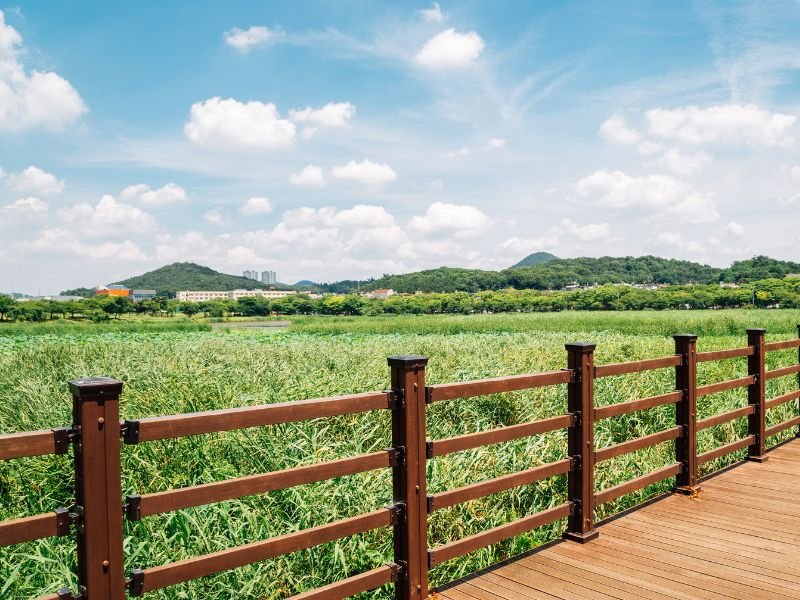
(204, 296)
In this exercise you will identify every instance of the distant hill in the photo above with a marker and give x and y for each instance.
(189, 276)
(305, 283)
(537, 258)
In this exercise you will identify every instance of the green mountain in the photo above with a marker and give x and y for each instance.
(537, 258)
(189, 276)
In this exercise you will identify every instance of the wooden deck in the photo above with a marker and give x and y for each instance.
(740, 538)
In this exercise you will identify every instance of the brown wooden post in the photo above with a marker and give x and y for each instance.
(686, 412)
(580, 402)
(798, 378)
(95, 405)
(756, 395)
(409, 476)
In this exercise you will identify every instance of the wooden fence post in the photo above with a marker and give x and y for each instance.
(580, 402)
(686, 412)
(410, 475)
(756, 395)
(98, 493)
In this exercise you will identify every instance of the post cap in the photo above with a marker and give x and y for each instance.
(756, 330)
(407, 360)
(689, 337)
(95, 388)
(580, 347)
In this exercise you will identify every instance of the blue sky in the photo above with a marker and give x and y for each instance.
(350, 139)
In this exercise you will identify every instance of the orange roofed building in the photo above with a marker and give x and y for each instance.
(113, 290)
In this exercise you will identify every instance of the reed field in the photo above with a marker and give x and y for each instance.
(167, 372)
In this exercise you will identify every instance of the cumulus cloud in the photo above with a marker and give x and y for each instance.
(257, 205)
(730, 123)
(366, 171)
(245, 40)
(734, 229)
(310, 176)
(228, 124)
(360, 215)
(433, 14)
(677, 241)
(333, 114)
(451, 49)
(495, 143)
(463, 151)
(25, 207)
(457, 219)
(217, 218)
(32, 99)
(34, 180)
(684, 163)
(65, 242)
(107, 217)
(168, 194)
(615, 129)
(555, 236)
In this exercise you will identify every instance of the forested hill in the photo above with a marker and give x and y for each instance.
(188, 276)
(559, 272)
(537, 258)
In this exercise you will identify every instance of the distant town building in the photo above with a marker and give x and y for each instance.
(248, 274)
(380, 294)
(139, 295)
(204, 296)
(793, 276)
(112, 290)
(269, 277)
(725, 284)
(56, 298)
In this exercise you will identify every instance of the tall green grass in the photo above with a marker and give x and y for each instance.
(175, 372)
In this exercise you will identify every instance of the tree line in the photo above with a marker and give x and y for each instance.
(783, 293)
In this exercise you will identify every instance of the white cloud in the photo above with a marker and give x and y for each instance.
(217, 217)
(684, 163)
(310, 176)
(34, 180)
(463, 151)
(168, 194)
(495, 143)
(525, 246)
(32, 99)
(734, 229)
(360, 215)
(458, 219)
(228, 124)
(245, 40)
(62, 241)
(555, 236)
(257, 205)
(694, 208)
(615, 129)
(333, 114)
(107, 217)
(366, 172)
(451, 49)
(433, 14)
(730, 124)
(25, 207)
(677, 241)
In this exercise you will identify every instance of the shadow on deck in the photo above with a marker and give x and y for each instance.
(739, 538)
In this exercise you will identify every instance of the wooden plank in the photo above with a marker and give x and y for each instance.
(624, 408)
(482, 387)
(725, 417)
(28, 443)
(638, 366)
(724, 450)
(28, 529)
(156, 578)
(643, 442)
(783, 399)
(612, 493)
(497, 534)
(783, 372)
(496, 436)
(351, 586)
(198, 495)
(227, 419)
(724, 386)
(784, 345)
(497, 484)
(724, 354)
(775, 429)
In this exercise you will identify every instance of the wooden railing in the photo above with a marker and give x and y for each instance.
(97, 434)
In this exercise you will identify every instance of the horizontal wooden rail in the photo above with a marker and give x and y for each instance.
(492, 536)
(227, 419)
(481, 387)
(725, 417)
(784, 345)
(27, 529)
(724, 354)
(637, 444)
(775, 373)
(778, 400)
(197, 495)
(636, 366)
(33, 443)
(782, 426)
(624, 408)
(496, 436)
(724, 386)
(634, 485)
(363, 582)
(498, 484)
(724, 450)
(155, 578)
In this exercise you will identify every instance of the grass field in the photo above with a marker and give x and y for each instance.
(180, 371)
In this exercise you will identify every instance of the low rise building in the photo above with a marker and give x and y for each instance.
(112, 290)
(205, 296)
(139, 295)
(380, 294)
